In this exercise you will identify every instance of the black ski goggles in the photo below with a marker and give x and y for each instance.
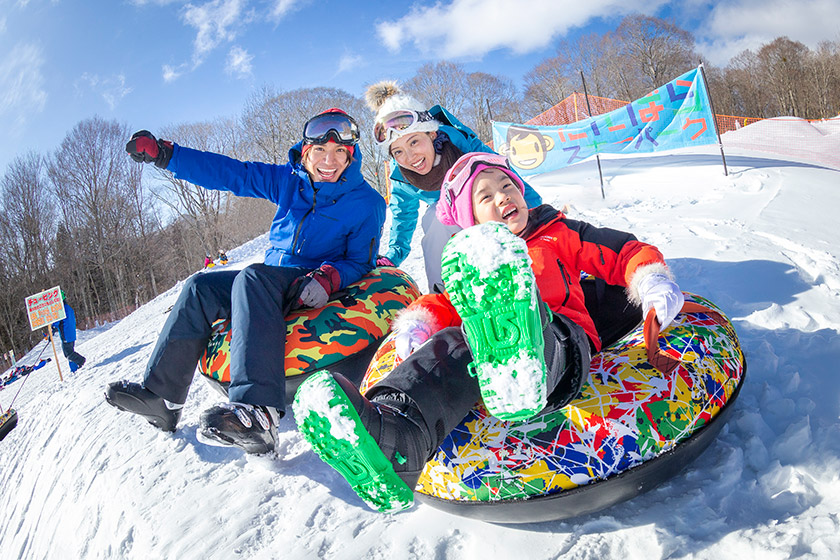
(335, 126)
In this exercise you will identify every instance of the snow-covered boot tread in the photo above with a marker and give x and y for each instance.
(489, 280)
(328, 420)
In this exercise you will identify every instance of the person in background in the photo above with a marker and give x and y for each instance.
(423, 145)
(66, 329)
(324, 237)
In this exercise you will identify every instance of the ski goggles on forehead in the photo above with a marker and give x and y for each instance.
(459, 174)
(398, 123)
(338, 127)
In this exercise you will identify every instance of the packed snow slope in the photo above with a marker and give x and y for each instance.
(83, 480)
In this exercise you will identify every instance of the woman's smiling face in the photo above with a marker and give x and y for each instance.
(415, 151)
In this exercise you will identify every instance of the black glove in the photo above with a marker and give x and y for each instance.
(314, 289)
(143, 147)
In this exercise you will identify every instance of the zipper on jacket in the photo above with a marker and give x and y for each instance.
(601, 252)
(295, 248)
(565, 281)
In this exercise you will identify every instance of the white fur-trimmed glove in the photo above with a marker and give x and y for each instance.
(410, 335)
(659, 292)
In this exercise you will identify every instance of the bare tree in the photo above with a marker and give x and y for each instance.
(89, 174)
(823, 80)
(489, 98)
(547, 84)
(653, 50)
(265, 126)
(29, 210)
(201, 208)
(783, 63)
(440, 83)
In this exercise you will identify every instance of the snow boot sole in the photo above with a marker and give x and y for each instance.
(136, 399)
(328, 420)
(489, 280)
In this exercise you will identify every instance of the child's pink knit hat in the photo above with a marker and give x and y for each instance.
(455, 204)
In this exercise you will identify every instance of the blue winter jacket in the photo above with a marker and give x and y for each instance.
(339, 223)
(67, 326)
(405, 197)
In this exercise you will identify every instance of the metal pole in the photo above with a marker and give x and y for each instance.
(714, 118)
(597, 157)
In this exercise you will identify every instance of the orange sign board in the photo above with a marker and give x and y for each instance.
(45, 308)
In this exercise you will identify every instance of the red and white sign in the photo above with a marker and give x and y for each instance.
(45, 308)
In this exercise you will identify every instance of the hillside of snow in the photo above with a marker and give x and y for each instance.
(83, 480)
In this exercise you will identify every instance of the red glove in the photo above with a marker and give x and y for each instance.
(315, 288)
(144, 147)
(384, 261)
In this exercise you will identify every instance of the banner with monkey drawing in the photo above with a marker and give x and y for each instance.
(676, 115)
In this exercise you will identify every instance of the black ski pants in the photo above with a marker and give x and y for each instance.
(436, 376)
(69, 350)
(256, 300)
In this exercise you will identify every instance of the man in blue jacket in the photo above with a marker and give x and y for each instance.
(325, 236)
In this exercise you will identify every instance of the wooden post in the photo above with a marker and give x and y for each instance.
(52, 341)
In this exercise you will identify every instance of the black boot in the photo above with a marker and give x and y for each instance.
(567, 357)
(379, 446)
(250, 427)
(135, 398)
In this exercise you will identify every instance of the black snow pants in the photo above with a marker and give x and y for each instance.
(437, 379)
(256, 300)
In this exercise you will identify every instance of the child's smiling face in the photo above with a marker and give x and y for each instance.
(496, 198)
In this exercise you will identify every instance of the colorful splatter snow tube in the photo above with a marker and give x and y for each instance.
(631, 428)
(344, 334)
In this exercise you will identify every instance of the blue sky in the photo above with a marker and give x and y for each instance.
(150, 63)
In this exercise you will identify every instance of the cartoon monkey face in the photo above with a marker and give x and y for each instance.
(526, 147)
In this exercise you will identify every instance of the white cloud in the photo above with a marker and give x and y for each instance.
(475, 27)
(216, 22)
(21, 86)
(348, 62)
(748, 24)
(280, 8)
(172, 73)
(111, 88)
(239, 62)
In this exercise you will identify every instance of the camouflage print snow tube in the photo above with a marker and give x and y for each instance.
(351, 325)
(631, 428)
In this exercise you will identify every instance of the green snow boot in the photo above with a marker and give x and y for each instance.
(380, 447)
(488, 276)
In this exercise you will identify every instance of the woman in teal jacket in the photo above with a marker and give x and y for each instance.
(423, 145)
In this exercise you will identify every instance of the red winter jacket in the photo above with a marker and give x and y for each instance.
(560, 249)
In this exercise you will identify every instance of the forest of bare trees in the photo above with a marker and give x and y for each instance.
(114, 234)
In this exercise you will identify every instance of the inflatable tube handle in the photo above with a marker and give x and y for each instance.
(656, 357)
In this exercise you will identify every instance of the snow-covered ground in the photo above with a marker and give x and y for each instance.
(83, 480)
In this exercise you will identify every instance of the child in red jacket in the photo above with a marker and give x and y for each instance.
(511, 330)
